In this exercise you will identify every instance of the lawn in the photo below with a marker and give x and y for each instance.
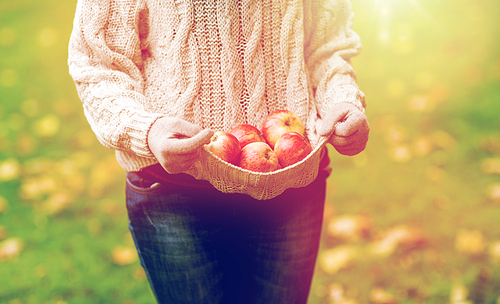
(412, 219)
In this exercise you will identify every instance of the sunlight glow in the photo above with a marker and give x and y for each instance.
(385, 11)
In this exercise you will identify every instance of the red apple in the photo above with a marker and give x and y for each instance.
(291, 148)
(247, 134)
(259, 157)
(225, 146)
(280, 122)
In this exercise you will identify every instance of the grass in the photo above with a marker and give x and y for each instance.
(426, 188)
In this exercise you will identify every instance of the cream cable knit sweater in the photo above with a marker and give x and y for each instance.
(215, 63)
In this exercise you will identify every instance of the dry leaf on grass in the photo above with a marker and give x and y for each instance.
(124, 255)
(10, 248)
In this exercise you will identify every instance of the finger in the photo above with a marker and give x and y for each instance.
(182, 127)
(178, 167)
(330, 121)
(343, 140)
(184, 146)
(351, 150)
(180, 162)
(351, 125)
(180, 158)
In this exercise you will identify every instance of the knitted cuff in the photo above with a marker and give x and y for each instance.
(346, 93)
(138, 129)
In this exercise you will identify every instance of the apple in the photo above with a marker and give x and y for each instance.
(280, 122)
(225, 146)
(259, 157)
(291, 148)
(246, 134)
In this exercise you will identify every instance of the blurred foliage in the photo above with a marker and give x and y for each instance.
(412, 219)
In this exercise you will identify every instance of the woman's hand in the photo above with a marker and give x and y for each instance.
(347, 127)
(176, 143)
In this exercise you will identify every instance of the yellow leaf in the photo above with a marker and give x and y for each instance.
(25, 144)
(140, 274)
(9, 169)
(494, 192)
(459, 294)
(421, 104)
(47, 126)
(333, 260)
(10, 248)
(380, 296)
(350, 227)
(400, 153)
(409, 238)
(422, 146)
(124, 255)
(491, 165)
(56, 203)
(494, 251)
(35, 188)
(395, 134)
(47, 37)
(470, 242)
(443, 140)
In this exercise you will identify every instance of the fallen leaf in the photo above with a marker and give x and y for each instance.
(395, 134)
(470, 242)
(400, 153)
(9, 169)
(459, 294)
(494, 251)
(350, 227)
(56, 203)
(443, 140)
(422, 146)
(335, 259)
(337, 295)
(37, 187)
(380, 296)
(421, 104)
(10, 248)
(490, 144)
(140, 274)
(47, 126)
(494, 191)
(399, 236)
(491, 165)
(336, 292)
(124, 255)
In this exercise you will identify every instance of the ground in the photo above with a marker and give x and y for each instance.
(412, 219)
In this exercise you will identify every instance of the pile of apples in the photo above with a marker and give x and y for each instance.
(281, 143)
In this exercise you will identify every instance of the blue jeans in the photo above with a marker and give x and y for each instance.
(199, 245)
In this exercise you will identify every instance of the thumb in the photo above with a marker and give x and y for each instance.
(330, 121)
(186, 145)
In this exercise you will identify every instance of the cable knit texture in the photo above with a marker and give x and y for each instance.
(215, 63)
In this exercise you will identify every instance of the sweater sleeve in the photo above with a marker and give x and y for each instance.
(104, 59)
(330, 44)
